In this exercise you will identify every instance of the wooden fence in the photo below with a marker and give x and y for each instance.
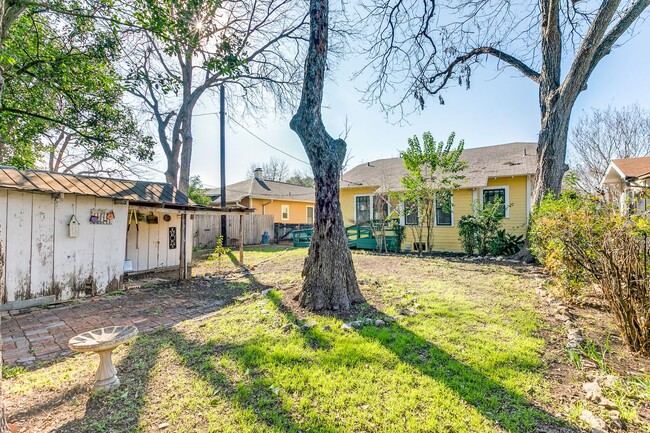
(207, 228)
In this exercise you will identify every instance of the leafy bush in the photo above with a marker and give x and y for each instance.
(504, 243)
(219, 252)
(581, 240)
(482, 232)
(547, 224)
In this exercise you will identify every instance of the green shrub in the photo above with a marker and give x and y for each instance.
(547, 228)
(581, 240)
(482, 232)
(505, 244)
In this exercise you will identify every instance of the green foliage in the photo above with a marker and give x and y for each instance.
(581, 240)
(434, 171)
(218, 253)
(481, 232)
(547, 244)
(60, 77)
(188, 27)
(195, 192)
(504, 243)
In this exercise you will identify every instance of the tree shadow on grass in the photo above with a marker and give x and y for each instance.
(510, 410)
(253, 395)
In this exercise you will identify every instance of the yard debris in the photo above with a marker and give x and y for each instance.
(309, 325)
(163, 426)
(407, 312)
(266, 292)
(575, 337)
(597, 424)
(289, 326)
(594, 393)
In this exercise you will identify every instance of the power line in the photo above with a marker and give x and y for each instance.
(259, 138)
(267, 143)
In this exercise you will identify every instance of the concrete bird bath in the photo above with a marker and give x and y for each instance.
(103, 341)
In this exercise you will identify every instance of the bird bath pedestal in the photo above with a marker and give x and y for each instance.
(103, 341)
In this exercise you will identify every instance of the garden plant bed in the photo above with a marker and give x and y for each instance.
(466, 347)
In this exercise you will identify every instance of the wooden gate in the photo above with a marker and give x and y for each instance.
(207, 228)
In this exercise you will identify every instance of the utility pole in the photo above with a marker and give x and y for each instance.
(222, 143)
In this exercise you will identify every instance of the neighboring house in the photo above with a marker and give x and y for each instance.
(289, 204)
(68, 236)
(629, 178)
(503, 171)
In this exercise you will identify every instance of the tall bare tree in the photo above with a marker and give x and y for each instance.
(605, 134)
(273, 169)
(329, 278)
(194, 47)
(423, 47)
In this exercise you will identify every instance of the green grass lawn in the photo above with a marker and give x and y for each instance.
(468, 360)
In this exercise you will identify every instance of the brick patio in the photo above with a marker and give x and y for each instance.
(42, 333)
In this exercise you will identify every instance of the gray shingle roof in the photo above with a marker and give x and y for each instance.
(131, 190)
(503, 160)
(269, 189)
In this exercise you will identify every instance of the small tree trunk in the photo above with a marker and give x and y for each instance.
(329, 278)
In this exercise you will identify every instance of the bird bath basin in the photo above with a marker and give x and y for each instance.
(103, 341)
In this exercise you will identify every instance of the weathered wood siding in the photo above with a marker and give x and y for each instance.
(41, 259)
(207, 228)
(148, 245)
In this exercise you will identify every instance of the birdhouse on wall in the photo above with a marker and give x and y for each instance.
(73, 227)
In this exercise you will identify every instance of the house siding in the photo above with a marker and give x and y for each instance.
(297, 210)
(446, 238)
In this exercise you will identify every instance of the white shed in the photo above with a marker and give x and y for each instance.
(67, 236)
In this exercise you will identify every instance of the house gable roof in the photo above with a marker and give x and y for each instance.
(265, 189)
(503, 160)
(627, 169)
(132, 190)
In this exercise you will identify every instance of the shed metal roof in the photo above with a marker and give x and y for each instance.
(132, 190)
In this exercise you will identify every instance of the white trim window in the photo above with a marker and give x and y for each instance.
(494, 193)
(285, 212)
(411, 213)
(362, 208)
(310, 214)
(445, 211)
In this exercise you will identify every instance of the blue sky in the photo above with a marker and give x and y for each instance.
(500, 107)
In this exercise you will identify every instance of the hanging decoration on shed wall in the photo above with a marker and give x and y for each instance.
(73, 227)
(172, 238)
(101, 216)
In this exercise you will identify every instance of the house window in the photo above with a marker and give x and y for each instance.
(410, 213)
(362, 208)
(285, 211)
(444, 210)
(496, 195)
(310, 214)
(380, 209)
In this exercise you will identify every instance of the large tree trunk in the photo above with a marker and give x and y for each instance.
(329, 278)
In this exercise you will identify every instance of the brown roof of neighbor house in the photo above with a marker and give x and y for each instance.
(268, 189)
(503, 160)
(136, 191)
(633, 167)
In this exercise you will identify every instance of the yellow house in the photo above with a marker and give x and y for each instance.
(503, 171)
(288, 203)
